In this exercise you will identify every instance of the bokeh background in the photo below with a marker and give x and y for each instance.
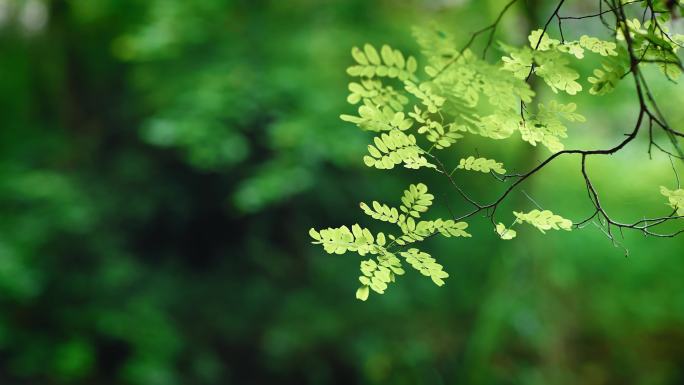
(161, 162)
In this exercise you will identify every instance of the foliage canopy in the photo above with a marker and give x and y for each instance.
(414, 115)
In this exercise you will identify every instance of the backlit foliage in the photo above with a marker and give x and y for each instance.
(481, 164)
(544, 220)
(417, 109)
(675, 198)
(385, 265)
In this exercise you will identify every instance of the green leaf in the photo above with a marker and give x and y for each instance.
(395, 148)
(442, 136)
(362, 293)
(416, 200)
(675, 198)
(375, 116)
(381, 212)
(388, 63)
(481, 164)
(573, 48)
(371, 54)
(552, 66)
(519, 62)
(500, 125)
(377, 275)
(359, 56)
(603, 48)
(342, 239)
(426, 265)
(544, 220)
(426, 92)
(387, 55)
(541, 41)
(547, 127)
(376, 95)
(504, 233)
(411, 64)
(450, 228)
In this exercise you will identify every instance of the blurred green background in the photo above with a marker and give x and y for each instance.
(163, 160)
